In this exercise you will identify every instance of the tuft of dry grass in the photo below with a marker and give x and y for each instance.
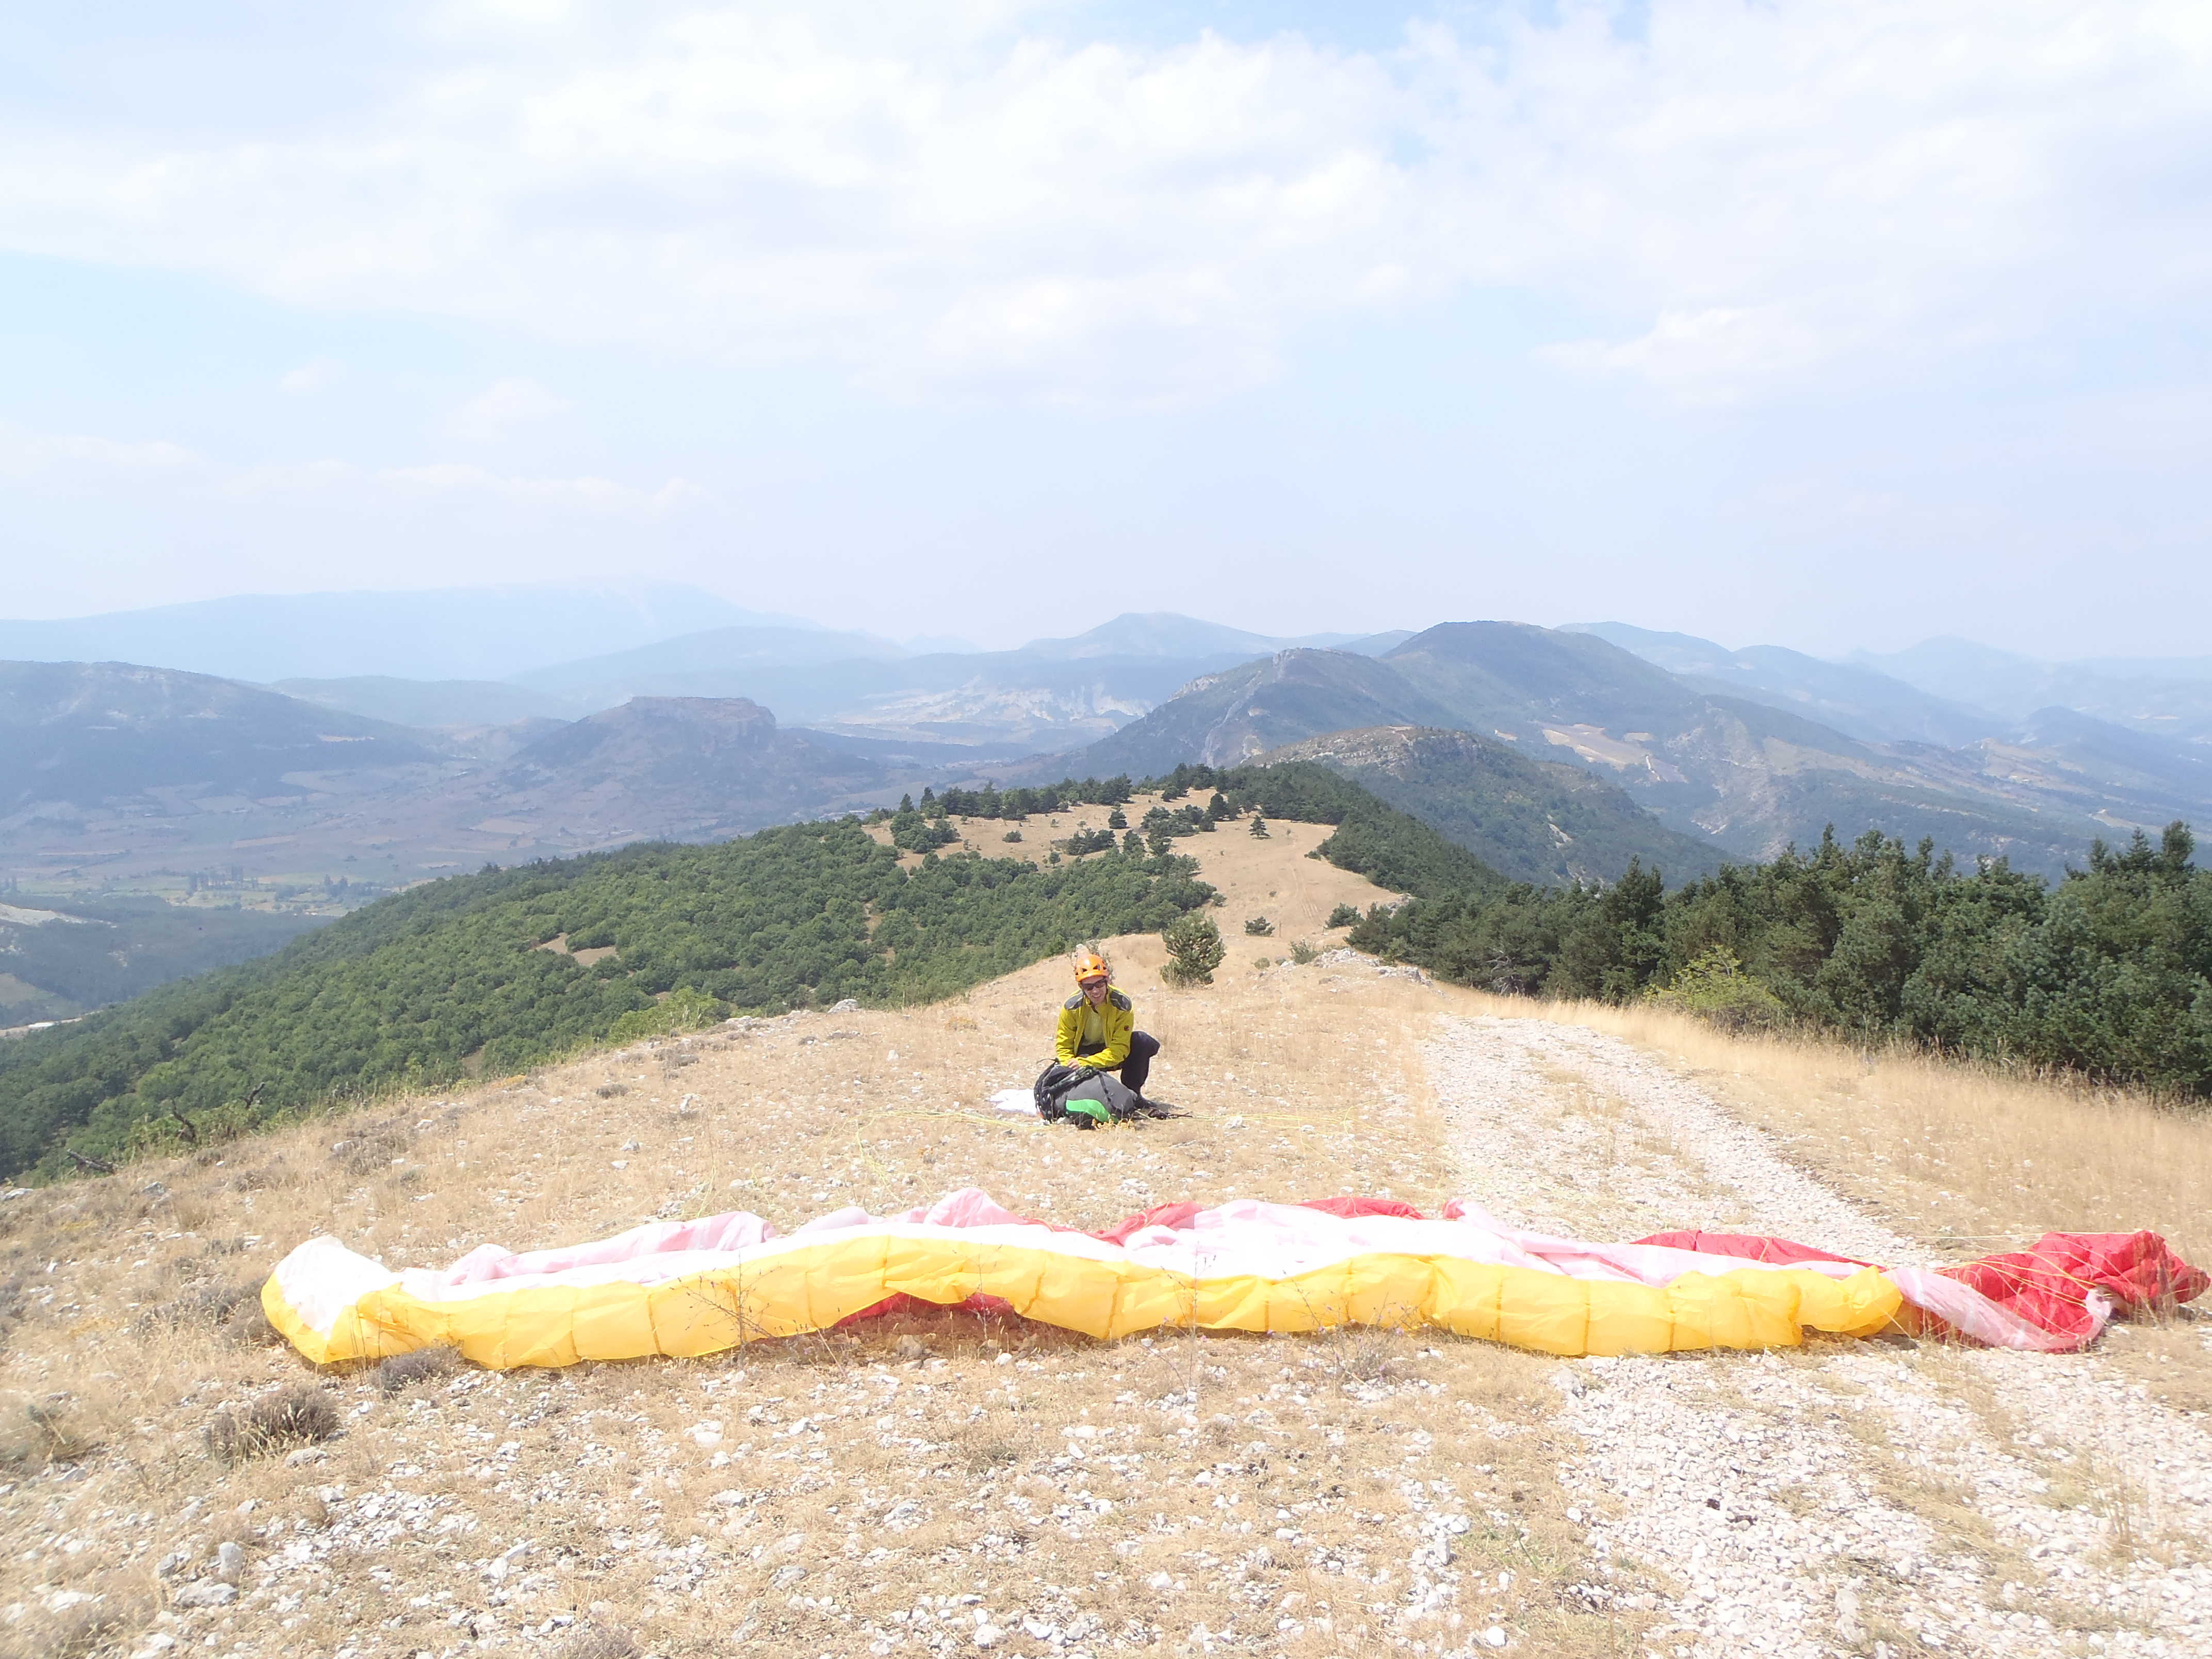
(403, 1371)
(299, 1415)
(37, 1433)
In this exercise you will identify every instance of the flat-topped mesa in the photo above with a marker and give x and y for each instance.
(661, 723)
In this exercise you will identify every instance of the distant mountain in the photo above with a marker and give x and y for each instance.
(432, 705)
(443, 634)
(1164, 634)
(93, 734)
(1234, 716)
(1547, 823)
(2114, 776)
(1745, 778)
(2167, 697)
(154, 778)
(2149, 668)
(662, 768)
(1047, 695)
(1523, 681)
(1965, 673)
(1374, 645)
(1855, 700)
(719, 662)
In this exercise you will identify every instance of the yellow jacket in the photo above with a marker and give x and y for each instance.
(1121, 1017)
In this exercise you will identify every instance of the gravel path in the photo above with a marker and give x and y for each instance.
(1879, 1497)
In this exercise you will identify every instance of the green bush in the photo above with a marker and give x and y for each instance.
(1259, 927)
(1714, 987)
(1194, 949)
(684, 1010)
(1344, 916)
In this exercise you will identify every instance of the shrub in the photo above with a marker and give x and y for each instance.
(233, 1309)
(1303, 951)
(1259, 828)
(681, 1010)
(1117, 819)
(1194, 949)
(1259, 927)
(39, 1432)
(1714, 987)
(403, 1371)
(1011, 836)
(1344, 916)
(300, 1415)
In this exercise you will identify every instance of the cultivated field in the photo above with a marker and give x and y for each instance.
(951, 1485)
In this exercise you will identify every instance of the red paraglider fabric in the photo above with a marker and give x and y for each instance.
(2051, 1284)
(1750, 1247)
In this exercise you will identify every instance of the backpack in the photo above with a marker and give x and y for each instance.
(1080, 1096)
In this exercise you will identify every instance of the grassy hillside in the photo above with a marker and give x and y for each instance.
(490, 973)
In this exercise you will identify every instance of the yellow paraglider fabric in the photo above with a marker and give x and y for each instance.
(334, 1305)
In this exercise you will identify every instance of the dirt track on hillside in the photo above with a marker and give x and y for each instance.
(1848, 1496)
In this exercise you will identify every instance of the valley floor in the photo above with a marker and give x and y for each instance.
(948, 1484)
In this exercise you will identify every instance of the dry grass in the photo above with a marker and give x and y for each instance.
(888, 1483)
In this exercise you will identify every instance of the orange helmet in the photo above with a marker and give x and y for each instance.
(1089, 964)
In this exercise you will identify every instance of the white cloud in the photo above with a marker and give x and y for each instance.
(67, 456)
(311, 376)
(502, 404)
(74, 461)
(959, 200)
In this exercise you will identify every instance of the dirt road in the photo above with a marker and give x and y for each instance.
(1890, 1497)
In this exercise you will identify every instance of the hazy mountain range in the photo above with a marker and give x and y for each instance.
(1556, 753)
(1743, 774)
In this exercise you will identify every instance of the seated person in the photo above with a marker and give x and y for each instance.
(1098, 1027)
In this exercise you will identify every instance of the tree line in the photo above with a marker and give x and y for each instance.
(2106, 974)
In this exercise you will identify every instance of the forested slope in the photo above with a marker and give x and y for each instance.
(2107, 974)
(450, 978)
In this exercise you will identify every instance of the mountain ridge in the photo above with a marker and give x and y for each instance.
(1541, 822)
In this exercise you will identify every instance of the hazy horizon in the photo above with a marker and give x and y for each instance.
(922, 644)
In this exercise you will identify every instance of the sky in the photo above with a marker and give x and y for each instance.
(1827, 326)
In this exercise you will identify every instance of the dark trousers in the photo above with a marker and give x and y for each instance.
(1138, 1067)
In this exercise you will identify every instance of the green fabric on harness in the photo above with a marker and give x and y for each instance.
(1094, 1108)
